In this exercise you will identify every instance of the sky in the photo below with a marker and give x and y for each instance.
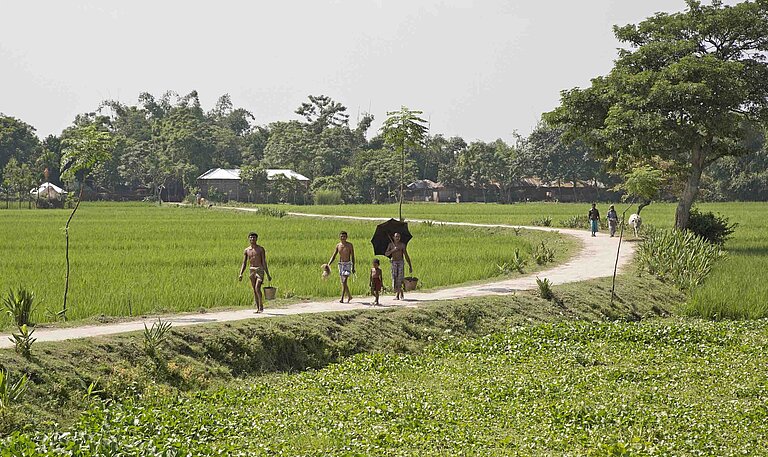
(480, 69)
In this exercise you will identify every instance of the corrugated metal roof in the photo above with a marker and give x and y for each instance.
(272, 173)
(424, 184)
(221, 173)
(45, 186)
(234, 174)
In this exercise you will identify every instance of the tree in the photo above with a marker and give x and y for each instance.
(475, 166)
(507, 170)
(50, 158)
(17, 140)
(403, 130)
(687, 91)
(290, 146)
(437, 153)
(254, 177)
(85, 147)
(322, 112)
(643, 184)
(546, 155)
(18, 177)
(742, 178)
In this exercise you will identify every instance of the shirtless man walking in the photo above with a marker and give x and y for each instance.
(346, 253)
(255, 256)
(397, 251)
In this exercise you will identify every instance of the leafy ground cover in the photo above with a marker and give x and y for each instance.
(203, 357)
(657, 387)
(133, 259)
(735, 288)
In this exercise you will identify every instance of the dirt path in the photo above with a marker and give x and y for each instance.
(595, 260)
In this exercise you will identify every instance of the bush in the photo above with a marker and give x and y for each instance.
(582, 221)
(545, 221)
(23, 340)
(543, 254)
(328, 197)
(680, 257)
(272, 212)
(711, 227)
(517, 263)
(575, 222)
(545, 288)
(19, 306)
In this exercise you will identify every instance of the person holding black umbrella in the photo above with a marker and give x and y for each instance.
(397, 251)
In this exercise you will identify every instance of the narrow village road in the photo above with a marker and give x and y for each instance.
(595, 259)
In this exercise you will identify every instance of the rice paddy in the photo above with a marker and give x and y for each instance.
(135, 259)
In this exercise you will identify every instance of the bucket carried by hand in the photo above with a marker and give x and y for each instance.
(410, 283)
(270, 292)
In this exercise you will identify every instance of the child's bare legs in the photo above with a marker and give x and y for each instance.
(376, 296)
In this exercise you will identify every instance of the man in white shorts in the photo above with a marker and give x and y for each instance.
(346, 253)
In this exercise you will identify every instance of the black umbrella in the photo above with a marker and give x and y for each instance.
(383, 235)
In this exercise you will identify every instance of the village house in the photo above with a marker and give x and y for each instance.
(224, 183)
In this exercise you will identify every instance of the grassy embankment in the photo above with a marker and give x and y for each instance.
(511, 375)
(204, 357)
(654, 388)
(735, 289)
(134, 259)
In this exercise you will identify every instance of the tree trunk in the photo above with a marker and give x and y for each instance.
(63, 312)
(691, 190)
(575, 196)
(402, 177)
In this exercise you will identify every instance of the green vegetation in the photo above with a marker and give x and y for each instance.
(659, 387)
(328, 197)
(19, 305)
(133, 259)
(680, 257)
(734, 289)
(119, 367)
(685, 91)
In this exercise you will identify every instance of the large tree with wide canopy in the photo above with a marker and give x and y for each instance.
(686, 92)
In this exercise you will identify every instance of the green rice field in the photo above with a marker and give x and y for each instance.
(737, 287)
(133, 259)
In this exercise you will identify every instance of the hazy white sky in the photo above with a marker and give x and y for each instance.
(479, 69)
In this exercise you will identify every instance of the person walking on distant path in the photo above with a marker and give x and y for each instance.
(613, 220)
(346, 253)
(398, 251)
(255, 256)
(594, 219)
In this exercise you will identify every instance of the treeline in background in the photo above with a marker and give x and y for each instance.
(162, 144)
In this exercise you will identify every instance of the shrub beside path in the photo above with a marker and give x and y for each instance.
(595, 259)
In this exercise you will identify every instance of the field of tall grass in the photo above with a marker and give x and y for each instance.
(736, 288)
(132, 259)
